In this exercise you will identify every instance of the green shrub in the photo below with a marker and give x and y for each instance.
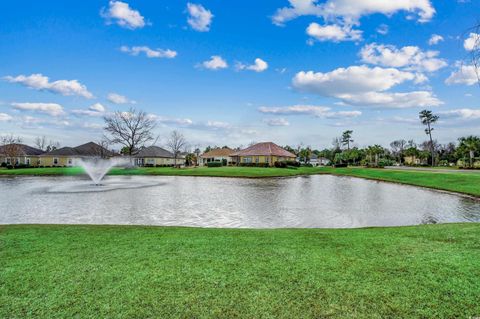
(214, 164)
(3, 164)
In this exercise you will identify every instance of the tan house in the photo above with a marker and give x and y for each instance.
(262, 153)
(157, 156)
(217, 155)
(67, 156)
(20, 154)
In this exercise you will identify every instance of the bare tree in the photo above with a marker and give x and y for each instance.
(11, 148)
(41, 142)
(398, 148)
(131, 129)
(176, 144)
(44, 145)
(475, 49)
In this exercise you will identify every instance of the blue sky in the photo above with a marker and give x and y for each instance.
(283, 71)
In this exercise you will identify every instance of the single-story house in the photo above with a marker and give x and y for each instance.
(263, 153)
(16, 154)
(157, 156)
(217, 155)
(318, 161)
(413, 160)
(67, 156)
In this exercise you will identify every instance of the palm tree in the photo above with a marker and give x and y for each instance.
(428, 119)
(469, 144)
(347, 138)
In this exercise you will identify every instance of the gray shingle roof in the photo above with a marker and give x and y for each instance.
(154, 151)
(25, 150)
(87, 149)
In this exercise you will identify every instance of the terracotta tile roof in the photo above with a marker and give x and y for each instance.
(264, 149)
(218, 152)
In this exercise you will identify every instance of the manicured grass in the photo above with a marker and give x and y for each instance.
(466, 182)
(145, 272)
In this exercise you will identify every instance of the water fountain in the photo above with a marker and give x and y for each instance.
(96, 169)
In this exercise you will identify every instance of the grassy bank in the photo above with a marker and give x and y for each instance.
(460, 182)
(114, 271)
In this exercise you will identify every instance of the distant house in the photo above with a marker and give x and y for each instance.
(217, 155)
(157, 156)
(67, 156)
(262, 153)
(318, 161)
(25, 154)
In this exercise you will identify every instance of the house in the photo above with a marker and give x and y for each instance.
(217, 155)
(67, 156)
(318, 161)
(20, 154)
(267, 153)
(157, 156)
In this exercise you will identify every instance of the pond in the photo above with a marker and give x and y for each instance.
(321, 201)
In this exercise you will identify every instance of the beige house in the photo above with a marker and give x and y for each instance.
(217, 155)
(262, 154)
(67, 156)
(156, 156)
(20, 154)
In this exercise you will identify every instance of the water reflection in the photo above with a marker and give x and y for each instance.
(313, 201)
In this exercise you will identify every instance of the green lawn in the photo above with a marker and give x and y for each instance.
(461, 181)
(144, 272)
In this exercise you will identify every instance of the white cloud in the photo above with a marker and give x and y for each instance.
(408, 57)
(52, 109)
(393, 100)
(317, 111)
(258, 66)
(435, 39)
(463, 114)
(361, 85)
(217, 125)
(172, 121)
(121, 13)
(119, 99)
(333, 32)
(199, 17)
(276, 122)
(465, 74)
(350, 11)
(216, 62)
(354, 79)
(149, 53)
(4, 117)
(383, 29)
(472, 42)
(41, 82)
(95, 110)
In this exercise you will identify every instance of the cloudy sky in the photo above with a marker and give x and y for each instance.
(240, 71)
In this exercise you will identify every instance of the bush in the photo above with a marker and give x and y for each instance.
(22, 166)
(224, 162)
(254, 164)
(340, 165)
(214, 164)
(3, 164)
(280, 164)
(9, 166)
(307, 165)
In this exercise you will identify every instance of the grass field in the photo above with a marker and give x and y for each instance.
(143, 272)
(461, 182)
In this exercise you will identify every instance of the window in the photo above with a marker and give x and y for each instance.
(257, 159)
(70, 161)
(267, 159)
(55, 161)
(27, 161)
(247, 159)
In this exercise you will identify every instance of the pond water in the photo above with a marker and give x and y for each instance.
(315, 201)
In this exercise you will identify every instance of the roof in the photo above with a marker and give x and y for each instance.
(218, 152)
(24, 150)
(87, 149)
(264, 149)
(64, 151)
(154, 151)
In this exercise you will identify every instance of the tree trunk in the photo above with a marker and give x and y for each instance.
(471, 158)
(431, 145)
